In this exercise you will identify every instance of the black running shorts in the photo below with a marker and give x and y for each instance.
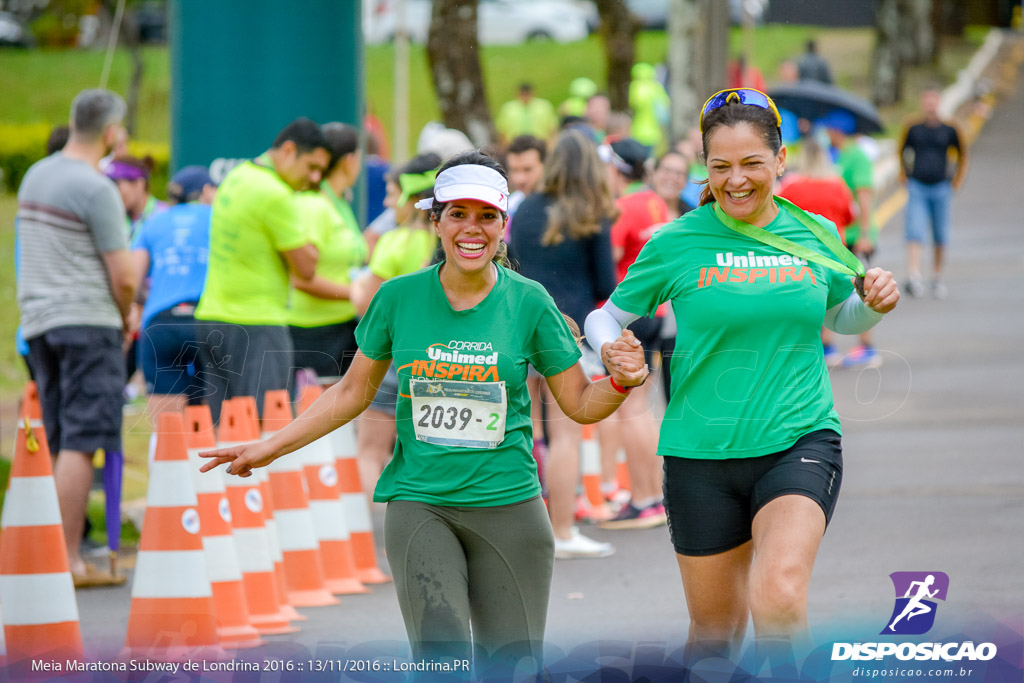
(711, 503)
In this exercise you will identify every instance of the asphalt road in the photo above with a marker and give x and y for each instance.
(934, 477)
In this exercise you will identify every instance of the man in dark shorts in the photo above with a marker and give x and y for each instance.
(75, 288)
(256, 245)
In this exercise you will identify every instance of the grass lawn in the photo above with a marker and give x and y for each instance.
(39, 84)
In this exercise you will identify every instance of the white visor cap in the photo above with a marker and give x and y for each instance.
(469, 181)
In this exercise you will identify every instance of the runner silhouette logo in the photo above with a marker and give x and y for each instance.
(916, 592)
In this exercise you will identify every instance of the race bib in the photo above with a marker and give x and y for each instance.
(465, 414)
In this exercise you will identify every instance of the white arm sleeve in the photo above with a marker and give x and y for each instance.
(851, 317)
(604, 325)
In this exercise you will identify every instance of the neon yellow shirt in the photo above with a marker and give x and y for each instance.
(402, 250)
(254, 220)
(341, 248)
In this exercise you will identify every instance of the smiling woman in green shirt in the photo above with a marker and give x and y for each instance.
(752, 442)
(466, 531)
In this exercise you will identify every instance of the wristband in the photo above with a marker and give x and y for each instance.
(618, 388)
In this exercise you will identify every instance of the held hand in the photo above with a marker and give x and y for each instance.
(241, 459)
(624, 359)
(880, 291)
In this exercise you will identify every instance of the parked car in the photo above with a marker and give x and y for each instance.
(500, 22)
(12, 32)
(654, 13)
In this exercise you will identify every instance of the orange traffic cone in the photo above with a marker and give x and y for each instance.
(230, 609)
(590, 465)
(303, 566)
(246, 503)
(321, 476)
(36, 588)
(172, 605)
(357, 508)
(262, 479)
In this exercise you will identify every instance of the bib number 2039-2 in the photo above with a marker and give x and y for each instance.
(465, 414)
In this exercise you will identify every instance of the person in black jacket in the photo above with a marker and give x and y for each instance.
(561, 237)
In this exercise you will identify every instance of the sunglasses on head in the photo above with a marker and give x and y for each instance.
(743, 96)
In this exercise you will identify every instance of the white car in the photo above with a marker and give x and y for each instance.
(499, 22)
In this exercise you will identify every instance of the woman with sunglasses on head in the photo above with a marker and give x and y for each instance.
(751, 439)
(466, 532)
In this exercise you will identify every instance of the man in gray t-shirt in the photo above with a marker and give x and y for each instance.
(76, 284)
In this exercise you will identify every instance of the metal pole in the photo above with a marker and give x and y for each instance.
(401, 147)
(115, 29)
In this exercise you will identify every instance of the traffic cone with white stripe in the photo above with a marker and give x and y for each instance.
(590, 465)
(36, 588)
(230, 609)
(245, 503)
(252, 430)
(357, 507)
(303, 566)
(172, 605)
(329, 524)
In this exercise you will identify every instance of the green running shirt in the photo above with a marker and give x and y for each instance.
(463, 353)
(748, 377)
(254, 220)
(341, 248)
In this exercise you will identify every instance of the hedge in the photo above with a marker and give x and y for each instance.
(22, 145)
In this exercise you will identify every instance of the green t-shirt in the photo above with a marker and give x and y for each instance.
(858, 173)
(401, 251)
(340, 249)
(748, 377)
(536, 118)
(411, 322)
(254, 220)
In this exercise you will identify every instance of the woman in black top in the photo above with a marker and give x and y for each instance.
(561, 238)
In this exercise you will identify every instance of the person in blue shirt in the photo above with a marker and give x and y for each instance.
(170, 252)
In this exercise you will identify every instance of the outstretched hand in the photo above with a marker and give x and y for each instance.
(624, 359)
(240, 459)
(881, 294)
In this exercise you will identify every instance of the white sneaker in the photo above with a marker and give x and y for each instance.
(579, 546)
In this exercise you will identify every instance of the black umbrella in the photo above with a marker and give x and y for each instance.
(812, 100)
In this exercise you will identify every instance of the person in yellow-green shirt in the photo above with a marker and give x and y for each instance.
(321, 316)
(526, 115)
(256, 246)
(406, 249)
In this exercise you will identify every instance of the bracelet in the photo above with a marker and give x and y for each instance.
(616, 387)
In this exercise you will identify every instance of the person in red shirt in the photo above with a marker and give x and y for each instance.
(816, 187)
(641, 212)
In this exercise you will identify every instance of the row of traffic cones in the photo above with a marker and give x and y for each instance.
(222, 560)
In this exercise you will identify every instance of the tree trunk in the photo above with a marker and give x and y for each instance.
(698, 51)
(918, 46)
(132, 40)
(685, 75)
(454, 55)
(886, 61)
(618, 31)
(950, 17)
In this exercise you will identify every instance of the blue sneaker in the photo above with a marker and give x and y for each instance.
(831, 354)
(862, 357)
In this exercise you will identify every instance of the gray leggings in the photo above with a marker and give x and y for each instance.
(489, 566)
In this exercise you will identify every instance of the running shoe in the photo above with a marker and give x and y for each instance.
(586, 513)
(915, 288)
(939, 290)
(862, 357)
(832, 356)
(632, 517)
(579, 546)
